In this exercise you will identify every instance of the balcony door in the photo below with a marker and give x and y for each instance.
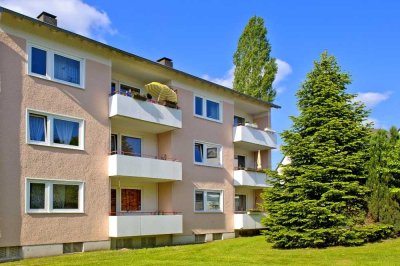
(131, 200)
(113, 201)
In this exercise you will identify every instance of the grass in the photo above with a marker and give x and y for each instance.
(240, 251)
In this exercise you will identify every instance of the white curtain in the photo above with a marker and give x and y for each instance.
(37, 128)
(64, 130)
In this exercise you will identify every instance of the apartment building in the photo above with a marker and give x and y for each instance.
(91, 160)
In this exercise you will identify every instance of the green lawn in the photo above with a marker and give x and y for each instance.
(240, 251)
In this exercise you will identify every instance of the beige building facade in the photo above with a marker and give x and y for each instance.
(90, 160)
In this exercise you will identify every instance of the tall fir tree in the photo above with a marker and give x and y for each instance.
(255, 69)
(383, 177)
(320, 199)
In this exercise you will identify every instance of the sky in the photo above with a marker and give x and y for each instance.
(201, 37)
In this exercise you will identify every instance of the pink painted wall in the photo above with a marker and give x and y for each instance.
(20, 91)
(203, 177)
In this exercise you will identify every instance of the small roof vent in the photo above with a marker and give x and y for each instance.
(166, 62)
(48, 18)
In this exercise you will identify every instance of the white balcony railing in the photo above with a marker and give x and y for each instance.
(250, 178)
(128, 107)
(254, 139)
(142, 167)
(143, 225)
(248, 220)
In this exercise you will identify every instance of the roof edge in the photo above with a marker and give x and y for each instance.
(11, 12)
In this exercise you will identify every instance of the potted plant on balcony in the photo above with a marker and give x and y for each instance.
(140, 97)
(251, 124)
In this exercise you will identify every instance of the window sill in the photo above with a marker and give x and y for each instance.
(54, 212)
(57, 81)
(209, 165)
(209, 119)
(61, 146)
(208, 212)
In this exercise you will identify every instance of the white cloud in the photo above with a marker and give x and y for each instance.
(73, 15)
(284, 69)
(226, 80)
(371, 99)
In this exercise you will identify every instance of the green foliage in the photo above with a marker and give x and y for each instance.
(384, 177)
(254, 68)
(320, 199)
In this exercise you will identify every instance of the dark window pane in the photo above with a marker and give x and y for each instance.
(66, 132)
(198, 152)
(114, 147)
(65, 196)
(212, 110)
(131, 146)
(67, 69)
(38, 61)
(241, 161)
(113, 88)
(198, 106)
(199, 201)
(37, 127)
(240, 203)
(36, 196)
(238, 121)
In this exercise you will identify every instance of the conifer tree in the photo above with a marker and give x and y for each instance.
(384, 176)
(320, 199)
(255, 69)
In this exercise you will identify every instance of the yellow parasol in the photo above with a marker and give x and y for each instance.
(161, 92)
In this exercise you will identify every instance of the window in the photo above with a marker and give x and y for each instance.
(131, 200)
(240, 203)
(207, 109)
(54, 130)
(52, 65)
(128, 90)
(238, 121)
(39, 59)
(131, 146)
(241, 161)
(207, 154)
(67, 69)
(46, 196)
(66, 132)
(208, 201)
(114, 144)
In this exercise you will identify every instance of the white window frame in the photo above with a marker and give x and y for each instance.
(50, 66)
(49, 136)
(246, 198)
(206, 210)
(48, 205)
(205, 146)
(204, 116)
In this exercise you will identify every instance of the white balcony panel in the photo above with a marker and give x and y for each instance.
(248, 221)
(147, 168)
(144, 225)
(146, 116)
(254, 139)
(250, 179)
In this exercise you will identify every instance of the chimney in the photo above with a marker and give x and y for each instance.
(166, 62)
(48, 18)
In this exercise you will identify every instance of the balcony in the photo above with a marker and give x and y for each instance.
(151, 117)
(144, 224)
(250, 178)
(144, 168)
(253, 139)
(243, 221)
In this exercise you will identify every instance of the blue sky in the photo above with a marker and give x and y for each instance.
(201, 37)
